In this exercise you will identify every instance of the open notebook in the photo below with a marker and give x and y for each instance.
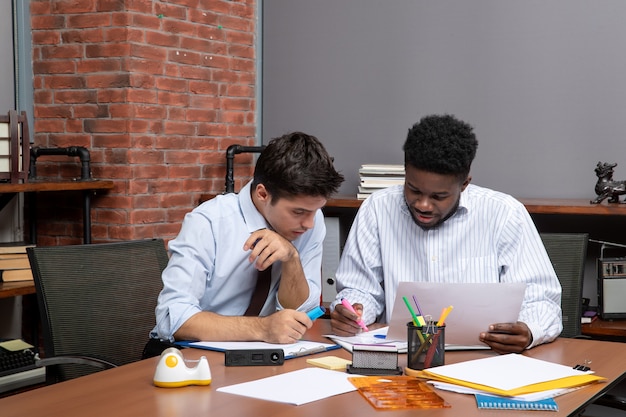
(476, 306)
(293, 350)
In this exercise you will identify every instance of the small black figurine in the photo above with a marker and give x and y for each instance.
(607, 187)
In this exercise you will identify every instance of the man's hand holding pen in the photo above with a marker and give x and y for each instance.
(507, 337)
(345, 321)
(284, 326)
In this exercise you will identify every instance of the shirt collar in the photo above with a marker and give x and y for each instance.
(253, 218)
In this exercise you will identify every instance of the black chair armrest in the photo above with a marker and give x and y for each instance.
(75, 360)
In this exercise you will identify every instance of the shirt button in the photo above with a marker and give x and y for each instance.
(433, 258)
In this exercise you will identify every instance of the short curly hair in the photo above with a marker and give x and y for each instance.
(441, 144)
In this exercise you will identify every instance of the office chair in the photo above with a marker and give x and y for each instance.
(96, 303)
(568, 252)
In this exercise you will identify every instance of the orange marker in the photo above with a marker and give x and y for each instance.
(444, 314)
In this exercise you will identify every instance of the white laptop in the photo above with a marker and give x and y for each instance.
(475, 307)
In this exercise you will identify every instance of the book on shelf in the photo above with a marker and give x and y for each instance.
(374, 177)
(11, 275)
(382, 169)
(14, 261)
(14, 247)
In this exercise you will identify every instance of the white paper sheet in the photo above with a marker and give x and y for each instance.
(476, 306)
(506, 372)
(297, 387)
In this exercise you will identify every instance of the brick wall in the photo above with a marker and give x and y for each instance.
(156, 90)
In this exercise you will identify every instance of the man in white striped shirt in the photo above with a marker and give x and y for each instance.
(440, 228)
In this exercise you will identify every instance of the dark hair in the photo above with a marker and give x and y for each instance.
(441, 144)
(296, 164)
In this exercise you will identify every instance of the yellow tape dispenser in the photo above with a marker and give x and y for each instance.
(172, 371)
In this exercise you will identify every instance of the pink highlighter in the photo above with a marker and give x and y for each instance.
(347, 305)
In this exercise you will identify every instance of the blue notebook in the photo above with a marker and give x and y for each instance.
(490, 402)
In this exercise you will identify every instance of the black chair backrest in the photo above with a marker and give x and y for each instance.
(97, 300)
(568, 252)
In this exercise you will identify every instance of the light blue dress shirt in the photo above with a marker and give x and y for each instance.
(209, 270)
(490, 238)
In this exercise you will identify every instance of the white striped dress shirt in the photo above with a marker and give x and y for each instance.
(490, 238)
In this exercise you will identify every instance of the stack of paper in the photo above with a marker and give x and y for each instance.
(510, 375)
(378, 176)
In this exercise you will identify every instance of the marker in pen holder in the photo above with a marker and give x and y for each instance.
(426, 345)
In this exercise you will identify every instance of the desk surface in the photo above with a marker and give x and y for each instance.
(12, 289)
(35, 186)
(128, 390)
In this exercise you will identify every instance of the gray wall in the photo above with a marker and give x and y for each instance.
(543, 83)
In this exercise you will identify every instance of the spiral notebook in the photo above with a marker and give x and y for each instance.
(491, 402)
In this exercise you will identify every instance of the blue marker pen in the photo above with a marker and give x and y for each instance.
(316, 313)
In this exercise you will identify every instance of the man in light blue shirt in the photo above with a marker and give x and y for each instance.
(440, 228)
(274, 222)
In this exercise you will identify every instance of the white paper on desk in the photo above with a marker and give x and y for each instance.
(297, 387)
(300, 348)
(475, 307)
(369, 338)
(505, 372)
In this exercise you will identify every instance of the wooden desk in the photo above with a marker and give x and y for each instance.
(7, 191)
(533, 205)
(613, 330)
(13, 289)
(128, 390)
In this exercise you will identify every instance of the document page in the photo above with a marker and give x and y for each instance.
(297, 387)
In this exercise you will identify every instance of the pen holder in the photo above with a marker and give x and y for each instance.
(426, 346)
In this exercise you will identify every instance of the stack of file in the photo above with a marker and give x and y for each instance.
(511, 381)
(374, 177)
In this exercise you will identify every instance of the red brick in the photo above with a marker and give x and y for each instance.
(143, 156)
(53, 111)
(142, 96)
(146, 201)
(75, 96)
(118, 34)
(170, 11)
(89, 20)
(161, 39)
(173, 99)
(105, 125)
(109, 5)
(107, 80)
(47, 22)
(107, 51)
(98, 65)
(147, 66)
(184, 57)
(62, 52)
(148, 51)
(72, 6)
(54, 67)
(173, 84)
